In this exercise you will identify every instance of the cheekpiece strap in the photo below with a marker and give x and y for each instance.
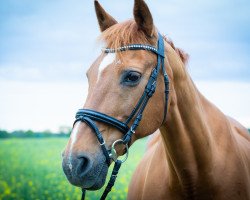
(161, 46)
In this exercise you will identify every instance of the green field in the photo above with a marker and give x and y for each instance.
(31, 169)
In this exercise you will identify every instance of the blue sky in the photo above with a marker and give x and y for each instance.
(46, 47)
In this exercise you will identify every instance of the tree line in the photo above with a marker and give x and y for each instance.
(63, 132)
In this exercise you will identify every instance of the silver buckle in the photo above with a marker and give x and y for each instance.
(113, 155)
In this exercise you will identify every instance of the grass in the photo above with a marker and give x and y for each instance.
(31, 169)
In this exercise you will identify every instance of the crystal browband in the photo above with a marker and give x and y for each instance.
(131, 47)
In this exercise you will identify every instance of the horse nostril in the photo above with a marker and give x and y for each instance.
(84, 165)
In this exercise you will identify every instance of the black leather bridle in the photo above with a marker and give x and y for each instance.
(90, 116)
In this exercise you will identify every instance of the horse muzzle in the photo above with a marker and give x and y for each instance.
(85, 171)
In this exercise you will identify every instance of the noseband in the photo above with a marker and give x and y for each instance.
(90, 116)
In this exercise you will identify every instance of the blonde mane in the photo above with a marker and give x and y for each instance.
(127, 33)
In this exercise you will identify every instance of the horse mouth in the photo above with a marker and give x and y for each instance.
(96, 178)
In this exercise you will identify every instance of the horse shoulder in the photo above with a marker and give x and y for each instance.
(242, 138)
(233, 166)
(149, 180)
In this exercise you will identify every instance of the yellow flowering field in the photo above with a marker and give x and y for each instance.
(31, 169)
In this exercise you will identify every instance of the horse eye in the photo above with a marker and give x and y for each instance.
(131, 78)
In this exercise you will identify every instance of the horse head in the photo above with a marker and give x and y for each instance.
(117, 81)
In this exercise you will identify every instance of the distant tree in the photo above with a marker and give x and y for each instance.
(29, 133)
(23, 134)
(4, 134)
(17, 133)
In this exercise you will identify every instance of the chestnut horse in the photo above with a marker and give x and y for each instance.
(196, 151)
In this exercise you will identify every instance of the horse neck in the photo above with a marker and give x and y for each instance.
(187, 138)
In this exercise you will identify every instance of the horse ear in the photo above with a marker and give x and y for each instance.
(104, 19)
(143, 17)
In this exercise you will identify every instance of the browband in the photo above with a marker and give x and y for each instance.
(146, 47)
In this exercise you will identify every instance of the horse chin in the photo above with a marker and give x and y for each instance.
(97, 178)
(97, 185)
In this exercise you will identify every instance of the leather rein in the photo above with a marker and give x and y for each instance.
(90, 116)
